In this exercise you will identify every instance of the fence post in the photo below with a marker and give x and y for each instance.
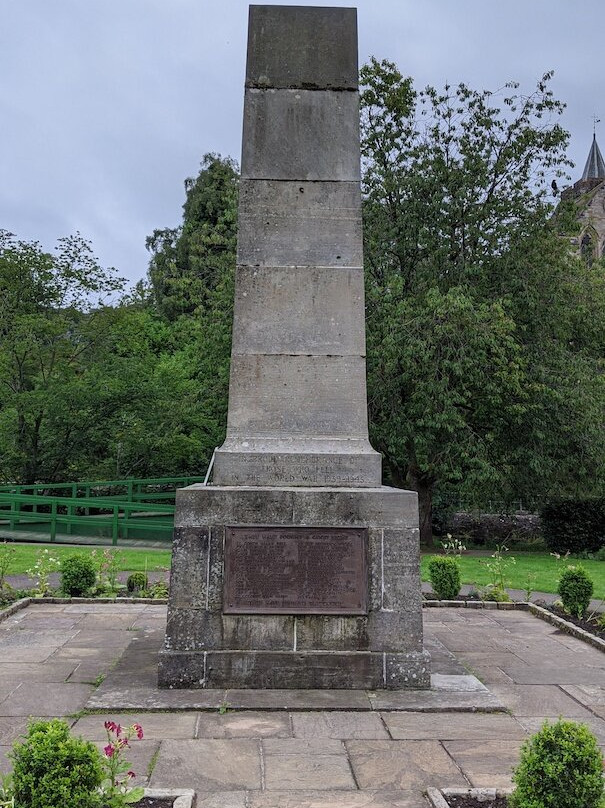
(115, 525)
(53, 521)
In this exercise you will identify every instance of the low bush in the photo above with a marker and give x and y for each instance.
(575, 589)
(561, 766)
(137, 581)
(444, 573)
(574, 525)
(53, 770)
(78, 575)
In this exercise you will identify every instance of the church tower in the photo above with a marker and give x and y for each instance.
(589, 195)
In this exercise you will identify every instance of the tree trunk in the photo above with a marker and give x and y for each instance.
(423, 485)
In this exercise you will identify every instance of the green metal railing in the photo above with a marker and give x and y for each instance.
(135, 509)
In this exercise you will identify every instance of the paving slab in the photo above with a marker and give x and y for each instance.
(590, 696)
(406, 765)
(538, 700)
(222, 799)
(335, 799)
(53, 670)
(449, 726)
(336, 724)
(435, 701)
(534, 723)
(299, 764)
(248, 724)
(156, 726)
(208, 765)
(45, 699)
(298, 699)
(486, 763)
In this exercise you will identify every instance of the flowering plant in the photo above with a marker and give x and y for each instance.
(115, 790)
(45, 564)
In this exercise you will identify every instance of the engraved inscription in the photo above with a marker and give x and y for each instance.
(251, 470)
(295, 570)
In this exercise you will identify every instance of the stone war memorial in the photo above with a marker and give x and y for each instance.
(296, 568)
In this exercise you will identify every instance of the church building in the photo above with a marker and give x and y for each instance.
(589, 195)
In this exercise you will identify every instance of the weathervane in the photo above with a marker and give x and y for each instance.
(595, 121)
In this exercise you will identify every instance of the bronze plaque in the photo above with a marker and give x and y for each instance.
(295, 570)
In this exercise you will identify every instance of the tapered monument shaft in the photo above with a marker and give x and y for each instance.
(297, 395)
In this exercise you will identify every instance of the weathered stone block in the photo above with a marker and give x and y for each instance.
(289, 151)
(297, 395)
(190, 559)
(193, 629)
(299, 310)
(331, 633)
(395, 631)
(199, 505)
(242, 461)
(375, 507)
(409, 670)
(296, 223)
(272, 633)
(266, 669)
(304, 47)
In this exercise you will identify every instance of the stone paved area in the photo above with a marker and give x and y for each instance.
(296, 749)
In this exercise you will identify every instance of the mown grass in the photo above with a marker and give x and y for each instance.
(131, 560)
(543, 566)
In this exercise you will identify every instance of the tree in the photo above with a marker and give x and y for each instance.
(52, 317)
(479, 353)
(188, 262)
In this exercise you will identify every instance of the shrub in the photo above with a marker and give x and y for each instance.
(52, 769)
(137, 581)
(560, 767)
(575, 525)
(78, 575)
(575, 588)
(444, 573)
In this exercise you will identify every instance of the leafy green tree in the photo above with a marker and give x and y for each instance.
(484, 373)
(188, 262)
(52, 316)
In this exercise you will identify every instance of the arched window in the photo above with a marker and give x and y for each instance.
(587, 248)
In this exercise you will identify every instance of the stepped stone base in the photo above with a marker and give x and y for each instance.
(381, 648)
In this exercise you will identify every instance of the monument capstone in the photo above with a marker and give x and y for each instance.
(296, 568)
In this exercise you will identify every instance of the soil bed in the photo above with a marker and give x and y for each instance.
(473, 802)
(154, 802)
(589, 626)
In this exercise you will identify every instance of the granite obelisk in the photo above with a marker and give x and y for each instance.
(296, 568)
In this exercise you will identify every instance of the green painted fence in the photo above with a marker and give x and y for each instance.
(114, 509)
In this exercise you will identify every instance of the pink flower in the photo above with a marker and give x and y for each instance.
(131, 774)
(109, 750)
(118, 729)
(109, 726)
(122, 742)
(139, 731)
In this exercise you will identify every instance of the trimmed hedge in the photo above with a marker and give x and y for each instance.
(444, 573)
(577, 525)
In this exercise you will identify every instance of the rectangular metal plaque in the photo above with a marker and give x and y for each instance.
(295, 570)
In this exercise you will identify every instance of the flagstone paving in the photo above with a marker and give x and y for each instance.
(302, 749)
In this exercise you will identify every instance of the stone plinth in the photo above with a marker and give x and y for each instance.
(207, 648)
(296, 569)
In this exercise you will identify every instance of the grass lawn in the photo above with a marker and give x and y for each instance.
(545, 567)
(131, 560)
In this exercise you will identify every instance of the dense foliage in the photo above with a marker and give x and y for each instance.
(574, 526)
(50, 768)
(444, 573)
(575, 588)
(78, 575)
(485, 333)
(561, 766)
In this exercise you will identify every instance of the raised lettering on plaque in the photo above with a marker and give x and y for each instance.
(295, 570)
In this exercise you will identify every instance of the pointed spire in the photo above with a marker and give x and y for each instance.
(595, 165)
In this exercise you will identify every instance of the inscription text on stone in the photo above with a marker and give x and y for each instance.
(295, 570)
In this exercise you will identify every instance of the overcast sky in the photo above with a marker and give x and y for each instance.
(107, 105)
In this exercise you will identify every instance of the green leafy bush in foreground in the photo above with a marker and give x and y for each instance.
(575, 588)
(53, 770)
(561, 766)
(445, 577)
(78, 575)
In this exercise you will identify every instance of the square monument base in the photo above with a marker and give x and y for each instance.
(214, 643)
